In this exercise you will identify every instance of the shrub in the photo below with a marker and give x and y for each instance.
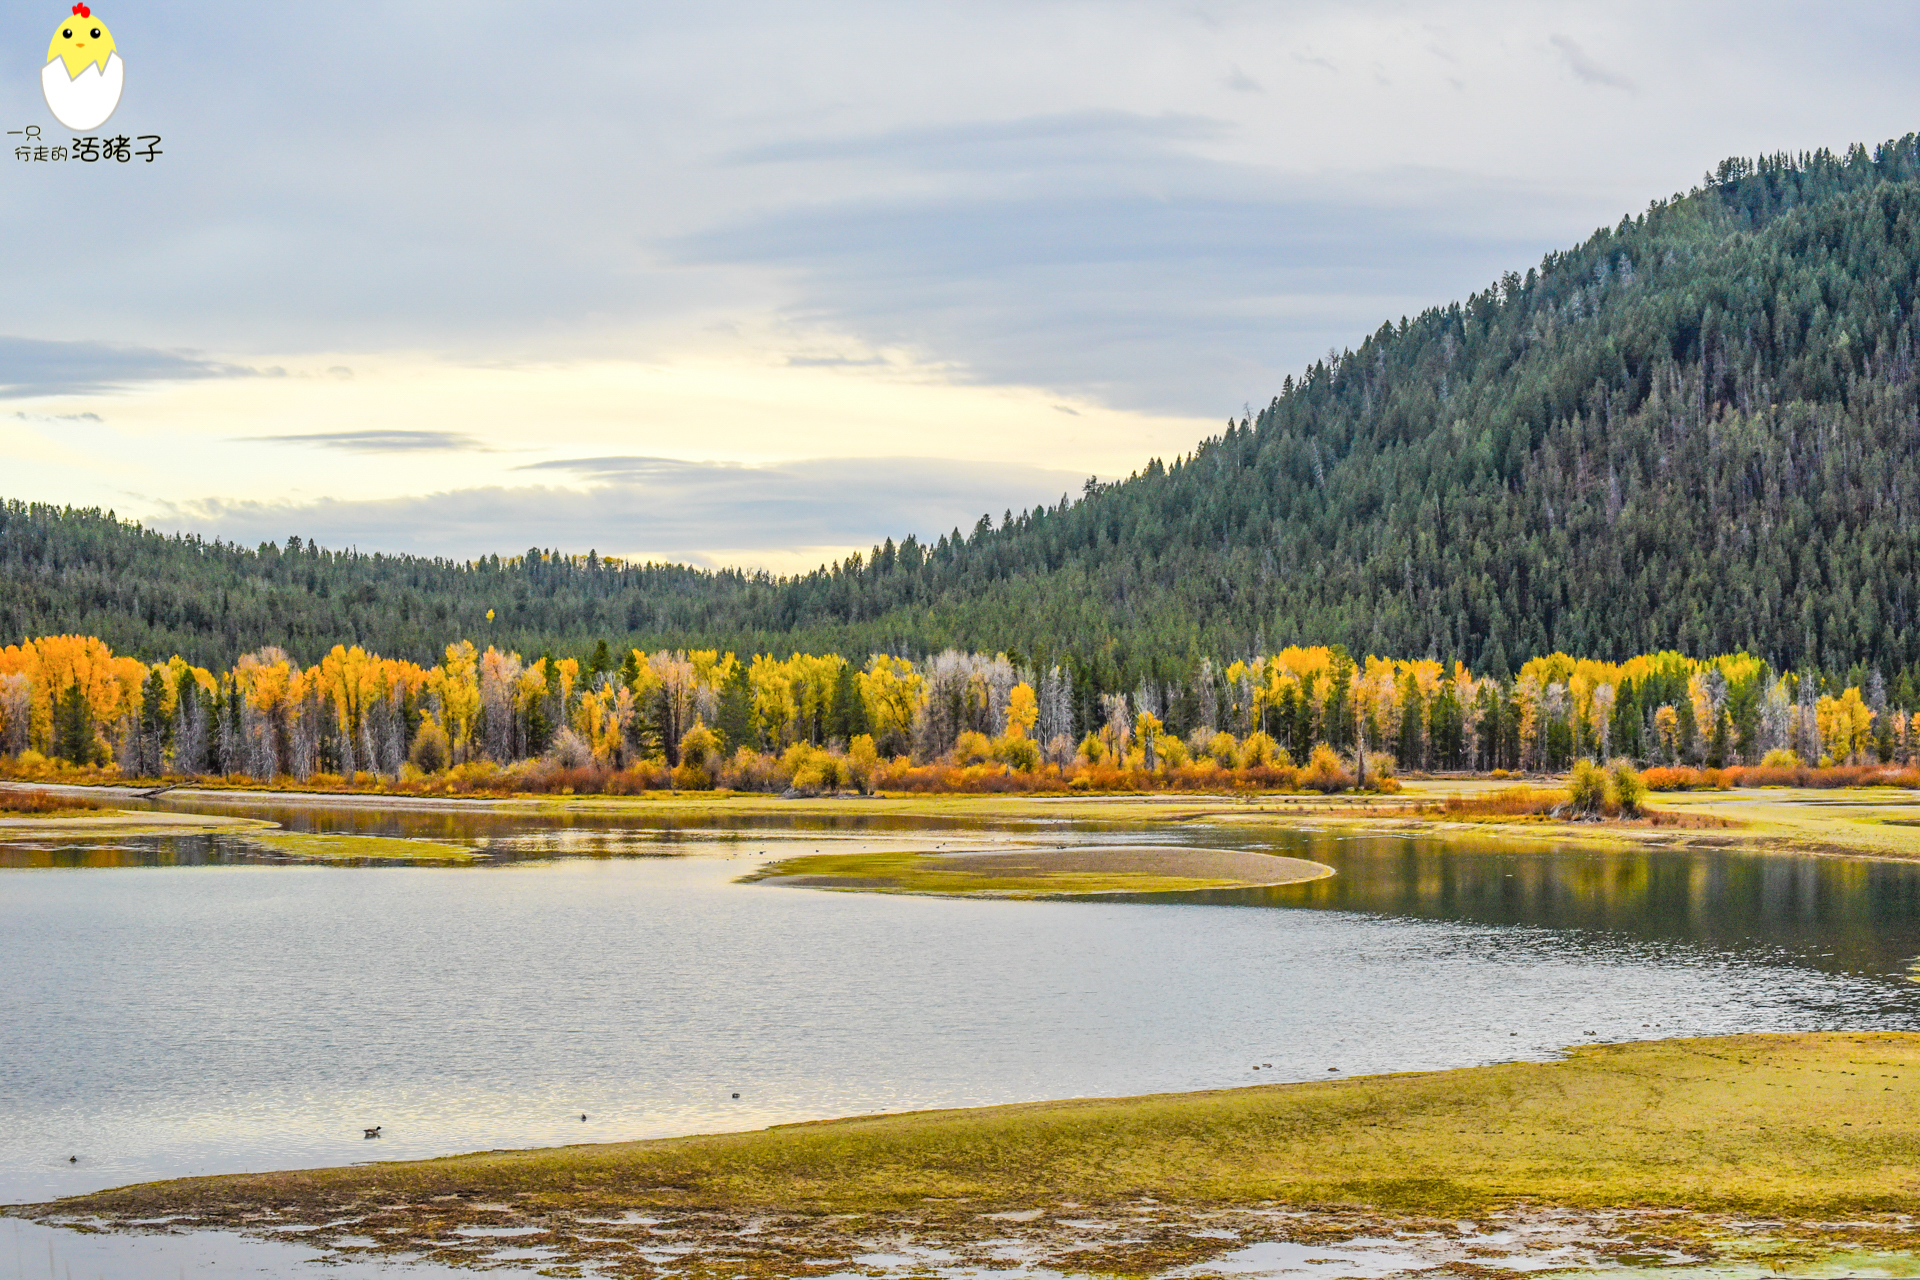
(752, 770)
(702, 744)
(972, 747)
(1780, 758)
(430, 750)
(863, 760)
(814, 770)
(1275, 777)
(1222, 748)
(1260, 751)
(1172, 751)
(1626, 789)
(1093, 749)
(699, 759)
(691, 775)
(1508, 802)
(481, 773)
(1846, 775)
(42, 802)
(1587, 787)
(1381, 772)
(1019, 753)
(1324, 771)
(569, 750)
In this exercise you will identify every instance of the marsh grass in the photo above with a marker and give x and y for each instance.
(44, 804)
(1542, 804)
(1508, 802)
(316, 847)
(1041, 872)
(1792, 1126)
(1799, 776)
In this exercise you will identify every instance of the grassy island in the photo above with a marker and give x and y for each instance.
(1034, 873)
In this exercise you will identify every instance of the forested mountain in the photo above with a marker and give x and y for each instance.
(1698, 430)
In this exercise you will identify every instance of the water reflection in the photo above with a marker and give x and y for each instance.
(201, 1020)
(1832, 914)
(1837, 914)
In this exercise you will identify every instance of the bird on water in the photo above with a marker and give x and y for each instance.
(374, 1132)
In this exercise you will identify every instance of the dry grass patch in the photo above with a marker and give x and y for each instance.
(43, 804)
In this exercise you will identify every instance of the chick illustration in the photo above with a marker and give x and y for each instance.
(84, 75)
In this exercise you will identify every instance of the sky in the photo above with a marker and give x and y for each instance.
(762, 284)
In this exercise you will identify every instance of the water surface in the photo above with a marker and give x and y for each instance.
(178, 1006)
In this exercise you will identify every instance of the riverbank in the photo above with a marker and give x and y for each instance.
(1872, 822)
(1670, 1148)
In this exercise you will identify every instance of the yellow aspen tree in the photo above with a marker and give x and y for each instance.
(1245, 683)
(1147, 731)
(457, 685)
(601, 718)
(1527, 694)
(891, 691)
(353, 680)
(771, 684)
(676, 678)
(1666, 727)
(110, 686)
(1846, 725)
(529, 689)
(814, 682)
(177, 666)
(1023, 711)
(1375, 700)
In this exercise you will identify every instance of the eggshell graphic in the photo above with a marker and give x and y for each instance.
(85, 101)
(84, 74)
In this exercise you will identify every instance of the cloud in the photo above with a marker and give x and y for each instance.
(1589, 70)
(1156, 281)
(835, 362)
(640, 470)
(1240, 82)
(378, 441)
(659, 508)
(31, 367)
(468, 206)
(997, 140)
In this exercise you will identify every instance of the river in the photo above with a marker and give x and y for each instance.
(180, 1006)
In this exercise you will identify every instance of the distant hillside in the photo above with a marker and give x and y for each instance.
(1700, 429)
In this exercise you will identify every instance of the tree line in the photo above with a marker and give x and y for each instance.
(73, 699)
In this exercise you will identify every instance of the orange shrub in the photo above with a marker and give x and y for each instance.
(1508, 802)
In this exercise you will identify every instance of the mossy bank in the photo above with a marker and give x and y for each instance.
(1802, 1129)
